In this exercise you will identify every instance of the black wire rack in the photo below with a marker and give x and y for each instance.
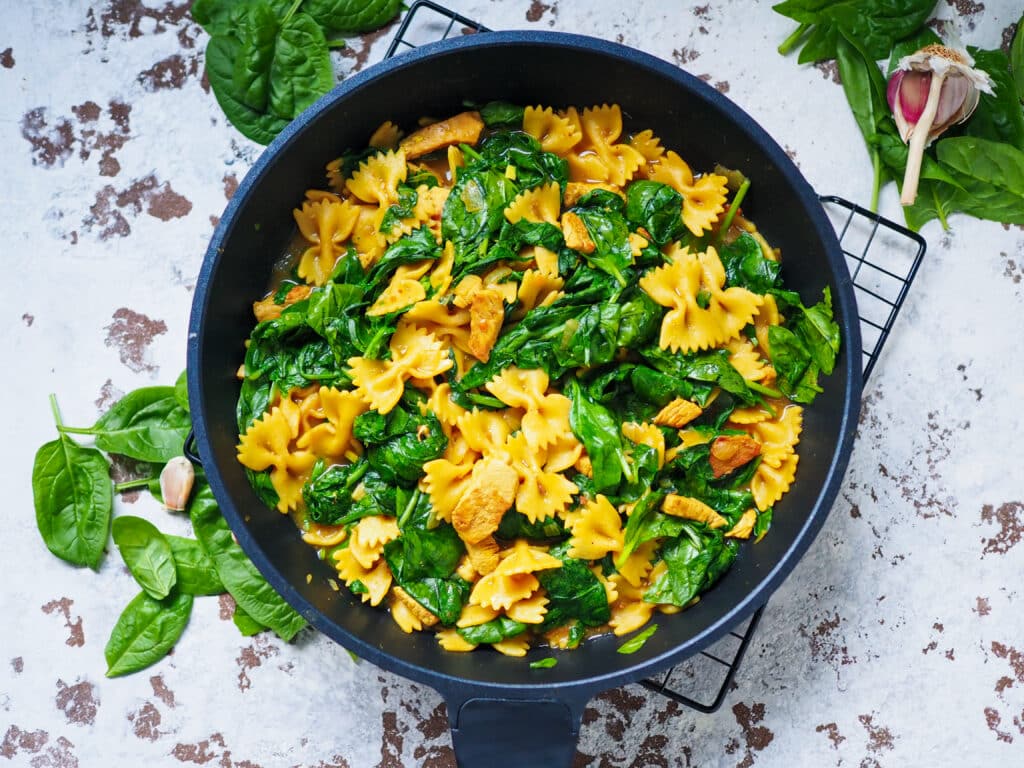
(882, 257)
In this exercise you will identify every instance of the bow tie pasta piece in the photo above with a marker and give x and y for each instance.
(554, 132)
(403, 289)
(529, 611)
(744, 526)
(596, 530)
(500, 590)
(703, 199)
(542, 494)
(445, 321)
(378, 177)
(332, 439)
(540, 204)
(514, 646)
(415, 354)
(445, 482)
(646, 434)
(639, 563)
(524, 558)
(486, 432)
(770, 483)
(369, 537)
(702, 314)
(538, 288)
(386, 136)
(648, 145)
(547, 416)
(779, 436)
(367, 238)
(598, 157)
(267, 443)
(377, 579)
(748, 361)
(326, 223)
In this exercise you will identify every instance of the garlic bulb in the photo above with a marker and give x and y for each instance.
(933, 89)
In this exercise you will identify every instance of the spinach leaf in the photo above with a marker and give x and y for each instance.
(998, 116)
(692, 567)
(659, 388)
(796, 369)
(646, 523)
(876, 24)
(411, 440)
(246, 624)
(423, 563)
(808, 345)
(328, 495)
(992, 175)
(196, 573)
(181, 391)
(442, 597)
(147, 424)
(251, 71)
(73, 500)
(217, 17)
(636, 642)
(236, 571)
(746, 266)
(1017, 59)
(301, 70)
(597, 429)
(523, 152)
(656, 207)
(403, 209)
(145, 631)
(416, 246)
(515, 525)
(352, 15)
(639, 320)
(709, 367)
(261, 127)
(147, 554)
(547, 663)
(574, 592)
(494, 631)
(602, 214)
(501, 114)
(475, 210)
(762, 524)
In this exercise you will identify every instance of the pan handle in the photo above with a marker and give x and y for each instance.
(513, 733)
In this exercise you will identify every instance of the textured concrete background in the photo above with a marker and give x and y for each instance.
(899, 639)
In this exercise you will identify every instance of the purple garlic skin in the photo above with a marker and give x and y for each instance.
(933, 90)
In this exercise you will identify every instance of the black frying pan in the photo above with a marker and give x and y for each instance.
(502, 712)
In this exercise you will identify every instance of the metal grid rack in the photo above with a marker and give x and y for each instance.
(883, 258)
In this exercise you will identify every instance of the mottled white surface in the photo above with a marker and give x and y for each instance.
(897, 641)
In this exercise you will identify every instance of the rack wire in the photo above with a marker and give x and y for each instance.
(883, 258)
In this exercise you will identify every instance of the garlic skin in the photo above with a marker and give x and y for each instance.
(176, 480)
(934, 89)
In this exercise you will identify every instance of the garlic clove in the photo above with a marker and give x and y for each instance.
(176, 480)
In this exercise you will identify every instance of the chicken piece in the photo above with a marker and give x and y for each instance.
(692, 509)
(463, 128)
(678, 413)
(426, 617)
(268, 309)
(486, 314)
(483, 555)
(732, 451)
(491, 492)
(575, 232)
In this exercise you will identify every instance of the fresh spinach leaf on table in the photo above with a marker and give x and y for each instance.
(146, 630)
(147, 554)
(181, 391)
(239, 576)
(196, 572)
(1017, 59)
(301, 70)
(147, 424)
(73, 499)
(246, 624)
(352, 15)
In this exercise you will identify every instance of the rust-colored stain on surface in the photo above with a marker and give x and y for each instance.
(130, 334)
(7, 58)
(831, 730)
(756, 737)
(170, 73)
(76, 635)
(207, 750)
(880, 738)
(1010, 519)
(78, 702)
(133, 18)
(146, 721)
(252, 656)
(54, 140)
(365, 44)
(161, 691)
(107, 215)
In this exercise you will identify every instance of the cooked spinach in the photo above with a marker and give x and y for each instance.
(693, 566)
(602, 214)
(574, 592)
(501, 114)
(746, 266)
(656, 207)
(494, 631)
(636, 642)
(597, 429)
(400, 443)
(806, 346)
(545, 663)
(328, 494)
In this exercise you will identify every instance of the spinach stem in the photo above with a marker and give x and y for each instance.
(336, 43)
(56, 411)
(789, 42)
(291, 12)
(75, 430)
(735, 206)
(938, 209)
(876, 162)
(763, 390)
(403, 518)
(127, 485)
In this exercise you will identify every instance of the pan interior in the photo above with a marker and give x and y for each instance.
(691, 119)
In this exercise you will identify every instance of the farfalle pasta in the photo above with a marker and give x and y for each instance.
(522, 375)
